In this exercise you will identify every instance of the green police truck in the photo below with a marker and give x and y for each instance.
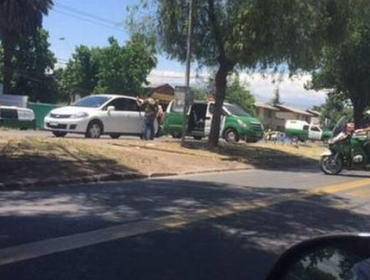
(236, 124)
(299, 130)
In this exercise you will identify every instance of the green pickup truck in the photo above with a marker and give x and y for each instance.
(301, 131)
(236, 124)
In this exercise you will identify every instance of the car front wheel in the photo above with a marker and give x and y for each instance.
(94, 130)
(59, 134)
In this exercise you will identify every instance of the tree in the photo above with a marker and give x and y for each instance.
(81, 73)
(333, 110)
(200, 93)
(256, 34)
(345, 70)
(123, 69)
(34, 69)
(18, 18)
(114, 69)
(237, 93)
(276, 99)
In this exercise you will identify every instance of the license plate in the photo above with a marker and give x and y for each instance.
(53, 124)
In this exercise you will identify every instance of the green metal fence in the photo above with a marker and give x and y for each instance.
(41, 110)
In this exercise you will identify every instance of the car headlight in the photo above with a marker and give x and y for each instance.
(243, 124)
(79, 116)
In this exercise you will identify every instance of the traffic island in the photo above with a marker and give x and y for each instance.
(49, 162)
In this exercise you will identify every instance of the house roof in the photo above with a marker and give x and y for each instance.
(315, 113)
(163, 89)
(265, 106)
(294, 110)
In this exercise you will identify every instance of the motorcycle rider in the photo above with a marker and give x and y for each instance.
(365, 130)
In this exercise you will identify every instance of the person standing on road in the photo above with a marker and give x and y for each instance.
(150, 107)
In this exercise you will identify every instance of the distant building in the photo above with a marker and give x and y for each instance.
(290, 113)
(315, 119)
(274, 117)
(267, 114)
(164, 93)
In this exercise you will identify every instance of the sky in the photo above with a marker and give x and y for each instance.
(92, 22)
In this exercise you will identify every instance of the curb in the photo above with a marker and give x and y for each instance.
(114, 177)
(83, 180)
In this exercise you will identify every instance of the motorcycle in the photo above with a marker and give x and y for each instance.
(346, 149)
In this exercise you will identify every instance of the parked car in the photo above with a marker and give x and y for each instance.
(17, 117)
(299, 130)
(236, 124)
(95, 115)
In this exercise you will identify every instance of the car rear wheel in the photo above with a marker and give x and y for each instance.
(59, 134)
(94, 130)
(176, 135)
(231, 135)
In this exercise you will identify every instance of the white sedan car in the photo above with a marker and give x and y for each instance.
(95, 115)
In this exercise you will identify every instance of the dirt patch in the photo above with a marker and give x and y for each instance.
(40, 159)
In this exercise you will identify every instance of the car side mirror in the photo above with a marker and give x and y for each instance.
(339, 257)
(110, 109)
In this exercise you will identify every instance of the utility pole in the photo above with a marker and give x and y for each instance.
(187, 76)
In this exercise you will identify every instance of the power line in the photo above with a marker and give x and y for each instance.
(85, 14)
(62, 9)
(87, 20)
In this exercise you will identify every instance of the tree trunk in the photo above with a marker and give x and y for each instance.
(221, 84)
(221, 77)
(9, 44)
(358, 116)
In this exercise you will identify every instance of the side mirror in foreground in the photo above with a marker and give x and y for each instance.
(336, 257)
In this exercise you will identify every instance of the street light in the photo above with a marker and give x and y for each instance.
(68, 45)
(187, 76)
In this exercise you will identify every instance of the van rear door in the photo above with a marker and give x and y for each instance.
(209, 117)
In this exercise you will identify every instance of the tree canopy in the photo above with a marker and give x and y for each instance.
(33, 68)
(255, 34)
(276, 99)
(18, 18)
(237, 93)
(124, 69)
(113, 69)
(334, 108)
(345, 70)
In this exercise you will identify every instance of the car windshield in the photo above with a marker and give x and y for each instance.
(92, 102)
(235, 110)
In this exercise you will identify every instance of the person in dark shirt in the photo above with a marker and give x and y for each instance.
(150, 107)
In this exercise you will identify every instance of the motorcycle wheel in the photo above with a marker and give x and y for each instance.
(331, 165)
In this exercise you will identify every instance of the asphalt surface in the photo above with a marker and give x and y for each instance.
(216, 226)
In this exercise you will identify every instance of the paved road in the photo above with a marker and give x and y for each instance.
(216, 226)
